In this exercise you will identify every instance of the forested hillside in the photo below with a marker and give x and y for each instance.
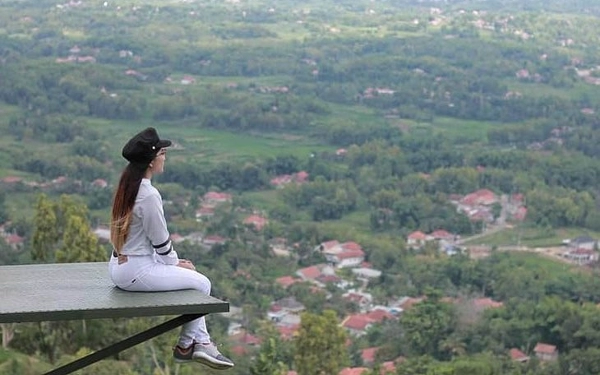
(454, 143)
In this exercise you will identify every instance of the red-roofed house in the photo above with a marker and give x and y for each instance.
(379, 315)
(483, 197)
(368, 355)
(14, 240)
(301, 177)
(518, 356)
(309, 273)
(417, 238)
(357, 324)
(346, 258)
(517, 199)
(545, 352)
(205, 211)
(258, 222)
(214, 198)
(328, 279)
(441, 234)
(328, 246)
(351, 246)
(99, 182)
(286, 281)
(520, 214)
(282, 180)
(388, 367)
(348, 254)
(353, 371)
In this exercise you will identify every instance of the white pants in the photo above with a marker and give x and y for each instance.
(148, 274)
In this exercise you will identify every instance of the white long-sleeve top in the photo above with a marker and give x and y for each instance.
(148, 232)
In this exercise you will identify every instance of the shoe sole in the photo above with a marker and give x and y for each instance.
(181, 360)
(209, 361)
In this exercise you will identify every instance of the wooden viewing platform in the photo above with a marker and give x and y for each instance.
(72, 291)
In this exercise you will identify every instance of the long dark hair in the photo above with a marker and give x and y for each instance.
(123, 201)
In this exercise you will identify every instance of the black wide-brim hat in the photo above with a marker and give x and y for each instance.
(144, 146)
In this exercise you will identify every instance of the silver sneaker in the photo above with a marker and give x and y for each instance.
(209, 355)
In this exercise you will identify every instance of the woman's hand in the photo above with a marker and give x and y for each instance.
(184, 263)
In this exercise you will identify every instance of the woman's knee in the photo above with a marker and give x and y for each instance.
(204, 284)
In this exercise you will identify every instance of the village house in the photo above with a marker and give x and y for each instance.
(442, 234)
(582, 242)
(283, 180)
(205, 212)
(357, 324)
(365, 274)
(256, 221)
(581, 256)
(518, 356)
(286, 281)
(315, 273)
(214, 198)
(309, 273)
(545, 352)
(416, 239)
(14, 241)
(100, 183)
(187, 80)
(279, 247)
(483, 197)
(285, 311)
(368, 355)
(477, 205)
(346, 255)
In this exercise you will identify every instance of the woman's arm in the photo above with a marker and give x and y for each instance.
(155, 227)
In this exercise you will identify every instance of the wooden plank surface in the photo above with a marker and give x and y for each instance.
(67, 291)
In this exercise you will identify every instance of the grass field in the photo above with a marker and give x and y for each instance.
(215, 145)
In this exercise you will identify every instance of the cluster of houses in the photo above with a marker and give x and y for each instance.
(282, 180)
(213, 199)
(75, 56)
(478, 205)
(446, 241)
(285, 313)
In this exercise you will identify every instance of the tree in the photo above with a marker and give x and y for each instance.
(79, 244)
(267, 362)
(320, 345)
(427, 325)
(45, 234)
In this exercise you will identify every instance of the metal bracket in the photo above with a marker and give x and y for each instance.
(124, 344)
